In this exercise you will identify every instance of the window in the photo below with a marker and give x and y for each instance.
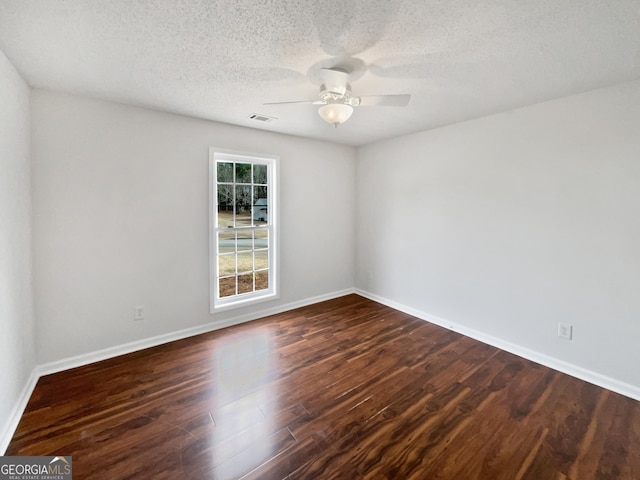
(243, 234)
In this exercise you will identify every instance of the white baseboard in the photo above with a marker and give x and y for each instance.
(98, 355)
(595, 378)
(11, 423)
(590, 376)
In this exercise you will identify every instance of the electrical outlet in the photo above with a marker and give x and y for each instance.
(565, 330)
(138, 312)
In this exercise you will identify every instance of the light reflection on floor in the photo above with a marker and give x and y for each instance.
(244, 400)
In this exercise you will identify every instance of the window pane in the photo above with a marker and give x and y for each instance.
(245, 283)
(260, 174)
(261, 260)
(245, 262)
(225, 171)
(259, 193)
(262, 280)
(243, 173)
(226, 242)
(245, 242)
(225, 206)
(243, 206)
(260, 205)
(227, 287)
(226, 265)
(261, 238)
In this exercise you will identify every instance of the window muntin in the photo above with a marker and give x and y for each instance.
(243, 229)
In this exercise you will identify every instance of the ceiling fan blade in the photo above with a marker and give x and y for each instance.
(334, 80)
(284, 103)
(385, 100)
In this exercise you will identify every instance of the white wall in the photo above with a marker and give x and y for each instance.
(512, 223)
(17, 357)
(504, 225)
(121, 208)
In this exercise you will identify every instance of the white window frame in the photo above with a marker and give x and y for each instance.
(217, 303)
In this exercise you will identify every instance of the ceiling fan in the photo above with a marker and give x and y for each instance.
(336, 101)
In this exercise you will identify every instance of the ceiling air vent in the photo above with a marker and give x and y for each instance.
(261, 118)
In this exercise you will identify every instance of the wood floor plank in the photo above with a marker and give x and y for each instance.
(343, 389)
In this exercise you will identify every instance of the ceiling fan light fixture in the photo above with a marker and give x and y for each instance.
(335, 113)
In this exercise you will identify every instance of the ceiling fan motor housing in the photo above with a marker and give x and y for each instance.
(338, 94)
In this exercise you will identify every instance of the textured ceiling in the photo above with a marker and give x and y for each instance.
(221, 60)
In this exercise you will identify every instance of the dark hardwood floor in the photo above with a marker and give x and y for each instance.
(344, 389)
